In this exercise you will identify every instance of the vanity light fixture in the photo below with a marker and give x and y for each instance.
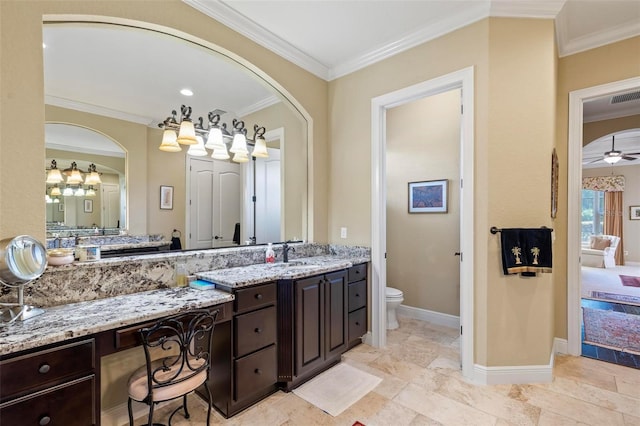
(79, 192)
(55, 191)
(68, 192)
(91, 192)
(75, 177)
(216, 135)
(54, 175)
(93, 178)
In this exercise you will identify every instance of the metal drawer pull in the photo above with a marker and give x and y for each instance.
(357, 295)
(258, 296)
(257, 371)
(258, 330)
(357, 323)
(44, 369)
(44, 420)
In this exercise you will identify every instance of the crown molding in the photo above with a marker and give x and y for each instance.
(527, 9)
(226, 15)
(85, 150)
(598, 39)
(471, 14)
(98, 110)
(264, 103)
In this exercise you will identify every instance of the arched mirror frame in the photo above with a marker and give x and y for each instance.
(113, 140)
(232, 57)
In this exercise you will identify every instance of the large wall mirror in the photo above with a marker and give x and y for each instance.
(115, 84)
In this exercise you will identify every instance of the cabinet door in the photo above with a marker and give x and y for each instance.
(309, 326)
(336, 309)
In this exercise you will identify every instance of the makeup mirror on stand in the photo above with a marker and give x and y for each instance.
(23, 260)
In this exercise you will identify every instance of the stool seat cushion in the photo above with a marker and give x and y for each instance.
(138, 387)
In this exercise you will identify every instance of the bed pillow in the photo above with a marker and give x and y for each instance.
(600, 243)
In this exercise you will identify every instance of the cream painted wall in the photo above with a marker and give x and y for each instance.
(132, 138)
(614, 62)
(423, 143)
(22, 101)
(515, 68)
(631, 197)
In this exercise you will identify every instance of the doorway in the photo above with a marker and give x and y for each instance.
(463, 80)
(574, 189)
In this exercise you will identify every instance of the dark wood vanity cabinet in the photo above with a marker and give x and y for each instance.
(54, 386)
(357, 277)
(246, 371)
(313, 325)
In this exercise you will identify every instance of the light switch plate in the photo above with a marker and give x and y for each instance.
(343, 232)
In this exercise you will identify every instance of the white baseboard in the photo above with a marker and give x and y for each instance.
(560, 346)
(368, 338)
(515, 374)
(430, 316)
(119, 414)
(627, 263)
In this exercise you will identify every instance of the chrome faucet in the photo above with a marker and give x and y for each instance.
(285, 252)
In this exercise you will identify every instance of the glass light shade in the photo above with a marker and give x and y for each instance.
(239, 144)
(214, 141)
(169, 141)
(56, 200)
(240, 157)
(48, 201)
(91, 192)
(220, 153)
(198, 150)
(187, 134)
(75, 178)
(55, 191)
(79, 192)
(47, 198)
(68, 192)
(54, 176)
(612, 159)
(260, 149)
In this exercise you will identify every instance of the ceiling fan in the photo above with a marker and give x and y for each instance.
(614, 156)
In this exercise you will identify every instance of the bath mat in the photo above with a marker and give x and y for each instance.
(612, 297)
(629, 281)
(613, 330)
(338, 388)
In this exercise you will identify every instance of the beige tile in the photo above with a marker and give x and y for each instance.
(627, 387)
(565, 405)
(395, 366)
(367, 407)
(362, 353)
(601, 397)
(441, 408)
(548, 418)
(300, 412)
(489, 401)
(392, 414)
(631, 420)
(582, 369)
(421, 420)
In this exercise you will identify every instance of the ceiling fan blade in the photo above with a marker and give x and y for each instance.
(632, 153)
(595, 161)
(626, 157)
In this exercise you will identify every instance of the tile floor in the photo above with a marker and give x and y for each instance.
(422, 385)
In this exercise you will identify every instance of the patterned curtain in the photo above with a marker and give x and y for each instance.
(613, 220)
(603, 183)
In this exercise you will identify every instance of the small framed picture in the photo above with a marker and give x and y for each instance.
(428, 196)
(166, 197)
(88, 206)
(60, 207)
(634, 212)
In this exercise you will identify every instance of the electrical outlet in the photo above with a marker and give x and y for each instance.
(343, 232)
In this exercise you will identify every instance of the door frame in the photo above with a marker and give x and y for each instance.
(462, 79)
(574, 187)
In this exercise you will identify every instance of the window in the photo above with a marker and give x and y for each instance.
(592, 213)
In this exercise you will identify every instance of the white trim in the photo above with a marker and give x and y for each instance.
(434, 317)
(513, 374)
(597, 39)
(367, 339)
(459, 79)
(560, 346)
(527, 9)
(98, 110)
(574, 187)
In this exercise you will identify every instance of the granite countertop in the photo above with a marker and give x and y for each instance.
(84, 318)
(265, 272)
(122, 246)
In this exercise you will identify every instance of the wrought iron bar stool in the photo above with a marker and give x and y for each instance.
(178, 357)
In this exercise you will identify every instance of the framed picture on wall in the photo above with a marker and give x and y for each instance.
(634, 212)
(60, 207)
(88, 206)
(428, 196)
(166, 197)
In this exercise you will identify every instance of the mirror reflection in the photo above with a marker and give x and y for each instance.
(99, 86)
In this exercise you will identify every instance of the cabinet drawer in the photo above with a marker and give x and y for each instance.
(255, 330)
(129, 337)
(70, 404)
(357, 295)
(358, 272)
(255, 372)
(44, 368)
(255, 297)
(357, 324)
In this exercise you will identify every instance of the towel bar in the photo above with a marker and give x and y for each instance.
(495, 230)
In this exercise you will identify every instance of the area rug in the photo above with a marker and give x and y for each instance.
(338, 388)
(629, 281)
(612, 297)
(613, 330)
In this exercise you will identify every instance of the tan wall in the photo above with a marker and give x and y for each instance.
(597, 129)
(423, 143)
(22, 100)
(614, 62)
(514, 65)
(631, 197)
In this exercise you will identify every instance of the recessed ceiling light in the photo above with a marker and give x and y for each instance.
(186, 92)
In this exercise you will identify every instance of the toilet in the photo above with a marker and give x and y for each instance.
(394, 299)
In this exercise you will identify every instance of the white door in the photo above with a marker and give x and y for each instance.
(110, 193)
(214, 202)
(268, 198)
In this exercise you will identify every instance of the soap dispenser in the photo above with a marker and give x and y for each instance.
(270, 255)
